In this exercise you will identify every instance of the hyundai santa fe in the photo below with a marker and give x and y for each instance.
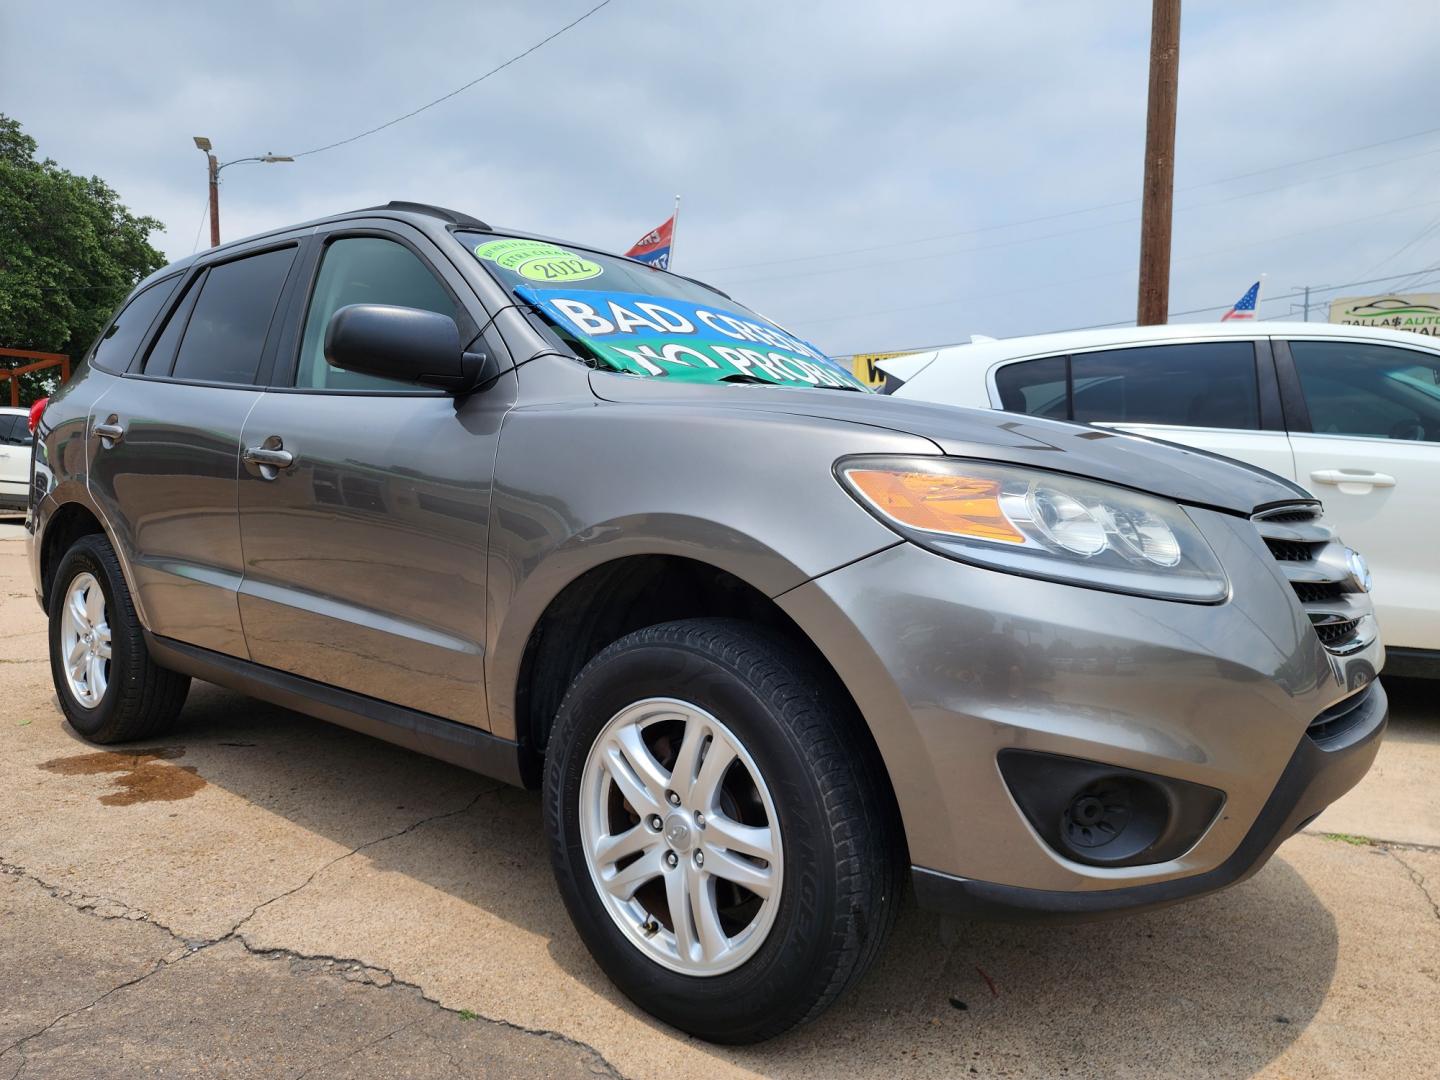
(768, 643)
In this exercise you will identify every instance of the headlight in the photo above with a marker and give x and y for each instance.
(1041, 524)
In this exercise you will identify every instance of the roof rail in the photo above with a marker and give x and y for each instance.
(453, 217)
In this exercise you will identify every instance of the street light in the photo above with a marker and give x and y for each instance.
(203, 144)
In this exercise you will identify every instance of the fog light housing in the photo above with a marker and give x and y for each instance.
(1104, 815)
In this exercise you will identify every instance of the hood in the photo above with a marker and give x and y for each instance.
(1177, 472)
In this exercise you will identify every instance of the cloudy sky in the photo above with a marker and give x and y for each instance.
(871, 175)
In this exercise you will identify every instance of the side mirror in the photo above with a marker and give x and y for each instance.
(405, 344)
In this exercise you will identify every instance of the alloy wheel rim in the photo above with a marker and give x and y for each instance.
(681, 837)
(85, 641)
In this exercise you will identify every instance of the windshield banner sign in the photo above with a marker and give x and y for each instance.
(666, 336)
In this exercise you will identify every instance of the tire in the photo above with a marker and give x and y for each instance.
(838, 857)
(133, 698)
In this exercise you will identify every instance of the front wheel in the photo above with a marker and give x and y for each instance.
(718, 830)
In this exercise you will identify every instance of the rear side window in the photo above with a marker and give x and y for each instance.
(1380, 391)
(1207, 384)
(114, 351)
(1035, 387)
(14, 430)
(226, 332)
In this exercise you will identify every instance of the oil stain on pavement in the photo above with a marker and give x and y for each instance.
(147, 776)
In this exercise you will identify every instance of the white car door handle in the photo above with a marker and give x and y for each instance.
(1356, 476)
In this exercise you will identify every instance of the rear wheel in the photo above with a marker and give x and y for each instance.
(718, 832)
(109, 688)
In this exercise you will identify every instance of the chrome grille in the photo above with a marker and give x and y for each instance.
(1316, 564)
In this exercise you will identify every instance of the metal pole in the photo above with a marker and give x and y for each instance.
(214, 201)
(674, 228)
(1307, 303)
(1158, 206)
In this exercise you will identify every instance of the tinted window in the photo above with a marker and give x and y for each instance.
(364, 270)
(116, 349)
(1362, 389)
(14, 430)
(1036, 387)
(1209, 384)
(162, 352)
(227, 329)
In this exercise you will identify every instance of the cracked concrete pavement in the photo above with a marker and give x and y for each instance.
(260, 894)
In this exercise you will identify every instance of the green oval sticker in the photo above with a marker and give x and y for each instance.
(511, 253)
(562, 267)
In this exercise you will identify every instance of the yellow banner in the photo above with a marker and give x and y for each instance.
(862, 366)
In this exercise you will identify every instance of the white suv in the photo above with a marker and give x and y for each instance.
(1351, 413)
(14, 461)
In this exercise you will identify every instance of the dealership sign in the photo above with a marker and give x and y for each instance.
(1419, 312)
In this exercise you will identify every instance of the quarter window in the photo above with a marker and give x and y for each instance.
(1035, 387)
(226, 331)
(364, 270)
(114, 351)
(1359, 388)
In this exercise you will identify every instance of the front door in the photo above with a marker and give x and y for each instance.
(1371, 454)
(364, 508)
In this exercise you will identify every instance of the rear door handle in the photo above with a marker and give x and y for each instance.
(1357, 477)
(269, 457)
(109, 433)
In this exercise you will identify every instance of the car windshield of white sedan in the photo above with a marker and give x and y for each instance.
(634, 319)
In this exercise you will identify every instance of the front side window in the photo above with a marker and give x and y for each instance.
(631, 318)
(364, 270)
(226, 332)
(114, 351)
(14, 430)
(1206, 384)
(1360, 388)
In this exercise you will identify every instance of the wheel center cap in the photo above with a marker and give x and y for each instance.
(677, 832)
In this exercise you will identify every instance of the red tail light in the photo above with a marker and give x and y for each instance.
(36, 411)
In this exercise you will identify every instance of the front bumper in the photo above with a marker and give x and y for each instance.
(952, 664)
(1318, 773)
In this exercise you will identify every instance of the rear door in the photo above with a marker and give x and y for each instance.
(365, 547)
(165, 445)
(1219, 396)
(1365, 427)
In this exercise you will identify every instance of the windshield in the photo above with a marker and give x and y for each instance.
(633, 319)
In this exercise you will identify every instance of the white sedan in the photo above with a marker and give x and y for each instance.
(14, 461)
(1350, 413)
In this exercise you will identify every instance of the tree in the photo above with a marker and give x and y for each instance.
(69, 253)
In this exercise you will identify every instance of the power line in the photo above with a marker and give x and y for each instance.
(1110, 205)
(458, 90)
(1116, 273)
(853, 266)
(1176, 314)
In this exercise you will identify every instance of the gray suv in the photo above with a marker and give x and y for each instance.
(770, 644)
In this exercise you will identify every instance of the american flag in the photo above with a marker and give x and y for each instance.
(1244, 307)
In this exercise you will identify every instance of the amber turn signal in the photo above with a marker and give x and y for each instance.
(940, 503)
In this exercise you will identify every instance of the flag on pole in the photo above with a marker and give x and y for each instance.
(654, 247)
(1244, 307)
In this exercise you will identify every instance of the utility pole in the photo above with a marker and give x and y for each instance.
(1307, 303)
(202, 143)
(1159, 194)
(214, 200)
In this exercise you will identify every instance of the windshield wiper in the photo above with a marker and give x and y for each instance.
(755, 380)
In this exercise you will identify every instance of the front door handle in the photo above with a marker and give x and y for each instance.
(269, 457)
(109, 433)
(1353, 481)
